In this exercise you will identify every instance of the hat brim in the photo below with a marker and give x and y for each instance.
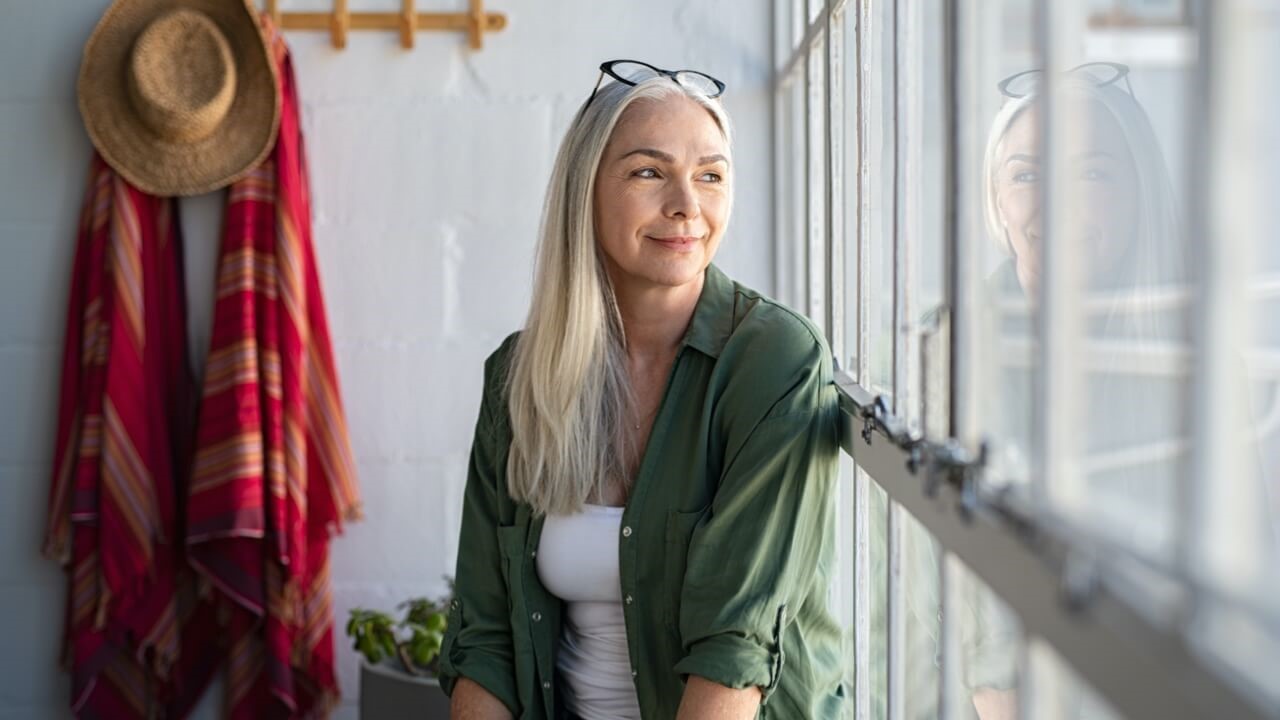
(154, 165)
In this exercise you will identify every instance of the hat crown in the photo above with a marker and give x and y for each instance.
(182, 76)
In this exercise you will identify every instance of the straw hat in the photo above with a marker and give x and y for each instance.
(180, 96)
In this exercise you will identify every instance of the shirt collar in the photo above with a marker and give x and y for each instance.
(712, 320)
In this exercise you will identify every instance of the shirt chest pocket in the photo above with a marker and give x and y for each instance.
(511, 545)
(679, 531)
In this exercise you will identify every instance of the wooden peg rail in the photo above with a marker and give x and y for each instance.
(475, 22)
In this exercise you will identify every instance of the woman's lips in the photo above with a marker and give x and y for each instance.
(679, 244)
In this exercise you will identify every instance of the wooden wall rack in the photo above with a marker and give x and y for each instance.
(475, 22)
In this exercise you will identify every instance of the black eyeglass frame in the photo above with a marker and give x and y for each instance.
(1122, 73)
(606, 68)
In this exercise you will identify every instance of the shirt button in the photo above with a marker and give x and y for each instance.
(633, 673)
(628, 599)
(626, 531)
(537, 616)
(533, 553)
(546, 684)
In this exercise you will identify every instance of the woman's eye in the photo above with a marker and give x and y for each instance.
(1095, 175)
(1026, 176)
(641, 173)
(715, 177)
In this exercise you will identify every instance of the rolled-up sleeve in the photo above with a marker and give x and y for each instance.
(477, 642)
(755, 558)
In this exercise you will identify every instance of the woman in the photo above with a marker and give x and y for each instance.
(648, 520)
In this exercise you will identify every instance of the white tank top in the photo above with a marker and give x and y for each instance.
(578, 562)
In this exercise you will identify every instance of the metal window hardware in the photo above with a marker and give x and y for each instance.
(947, 461)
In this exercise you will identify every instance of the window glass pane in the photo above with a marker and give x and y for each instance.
(845, 583)
(989, 643)
(817, 225)
(851, 82)
(790, 247)
(878, 521)
(797, 234)
(997, 40)
(798, 24)
(836, 171)
(877, 181)
(922, 641)
(922, 209)
(1239, 555)
(782, 46)
(1116, 246)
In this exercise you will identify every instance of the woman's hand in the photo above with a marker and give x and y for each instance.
(707, 700)
(473, 702)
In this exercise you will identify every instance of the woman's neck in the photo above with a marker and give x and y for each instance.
(655, 317)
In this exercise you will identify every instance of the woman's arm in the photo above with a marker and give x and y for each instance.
(473, 702)
(477, 644)
(707, 700)
(752, 558)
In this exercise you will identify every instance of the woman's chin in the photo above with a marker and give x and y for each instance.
(673, 271)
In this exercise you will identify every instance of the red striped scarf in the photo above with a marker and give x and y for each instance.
(274, 473)
(273, 476)
(123, 421)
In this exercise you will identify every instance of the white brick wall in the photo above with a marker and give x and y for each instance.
(428, 172)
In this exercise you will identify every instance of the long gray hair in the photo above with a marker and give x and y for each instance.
(568, 388)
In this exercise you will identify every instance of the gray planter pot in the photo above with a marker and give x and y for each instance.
(389, 693)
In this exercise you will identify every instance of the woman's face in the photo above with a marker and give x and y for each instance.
(1100, 214)
(663, 193)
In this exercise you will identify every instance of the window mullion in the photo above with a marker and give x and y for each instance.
(816, 166)
(895, 32)
(1058, 416)
(862, 493)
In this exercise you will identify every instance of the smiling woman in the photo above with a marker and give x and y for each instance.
(647, 527)
(660, 213)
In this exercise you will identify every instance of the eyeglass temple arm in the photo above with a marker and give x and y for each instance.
(596, 89)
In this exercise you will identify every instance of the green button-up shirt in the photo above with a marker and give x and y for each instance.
(727, 544)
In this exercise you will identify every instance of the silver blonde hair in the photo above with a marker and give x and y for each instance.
(568, 389)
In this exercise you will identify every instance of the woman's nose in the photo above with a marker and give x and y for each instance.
(682, 201)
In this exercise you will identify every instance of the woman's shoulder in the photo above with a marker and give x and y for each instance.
(497, 365)
(766, 328)
(774, 360)
(501, 356)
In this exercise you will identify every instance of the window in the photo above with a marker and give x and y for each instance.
(1041, 238)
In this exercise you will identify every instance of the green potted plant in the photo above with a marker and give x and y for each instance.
(398, 677)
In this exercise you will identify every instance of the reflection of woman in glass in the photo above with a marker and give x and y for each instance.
(1116, 209)
(1119, 207)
